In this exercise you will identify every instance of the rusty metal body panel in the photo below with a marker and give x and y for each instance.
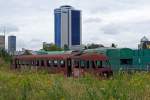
(67, 64)
(88, 58)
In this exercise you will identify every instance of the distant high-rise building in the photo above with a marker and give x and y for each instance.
(46, 45)
(68, 27)
(2, 42)
(11, 44)
(144, 43)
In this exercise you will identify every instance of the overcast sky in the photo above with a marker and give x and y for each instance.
(122, 22)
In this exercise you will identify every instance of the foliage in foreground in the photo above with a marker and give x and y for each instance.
(32, 85)
(5, 56)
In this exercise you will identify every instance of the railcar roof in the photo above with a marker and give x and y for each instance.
(53, 56)
(92, 56)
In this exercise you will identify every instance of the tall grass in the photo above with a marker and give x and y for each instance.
(43, 86)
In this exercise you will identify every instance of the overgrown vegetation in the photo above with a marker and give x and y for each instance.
(31, 85)
(53, 47)
(4, 55)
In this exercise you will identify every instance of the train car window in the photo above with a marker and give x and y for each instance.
(62, 63)
(49, 63)
(26, 63)
(37, 62)
(126, 61)
(69, 62)
(107, 64)
(19, 62)
(93, 64)
(82, 63)
(76, 64)
(87, 64)
(42, 62)
(33, 62)
(99, 64)
(55, 63)
(23, 62)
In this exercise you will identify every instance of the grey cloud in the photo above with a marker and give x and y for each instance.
(92, 20)
(21, 43)
(35, 40)
(132, 27)
(35, 44)
(111, 29)
(141, 26)
(8, 28)
(18, 12)
(32, 44)
(107, 6)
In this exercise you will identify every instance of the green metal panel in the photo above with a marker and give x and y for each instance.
(56, 52)
(113, 53)
(135, 53)
(98, 50)
(139, 52)
(146, 52)
(50, 52)
(115, 63)
(126, 53)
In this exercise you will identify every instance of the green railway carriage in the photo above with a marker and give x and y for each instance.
(142, 58)
(126, 58)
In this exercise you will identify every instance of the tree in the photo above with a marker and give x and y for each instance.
(27, 52)
(66, 48)
(113, 45)
(85, 47)
(4, 55)
(94, 46)
(53, 47)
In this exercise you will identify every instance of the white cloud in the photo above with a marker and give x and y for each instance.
(104, 21)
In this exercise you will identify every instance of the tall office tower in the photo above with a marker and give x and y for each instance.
(2, 42)
(68, 27)
(11, 44)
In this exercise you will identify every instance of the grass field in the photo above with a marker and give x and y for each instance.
(43, 86)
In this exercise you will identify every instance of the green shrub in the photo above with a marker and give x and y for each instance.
(43, 86)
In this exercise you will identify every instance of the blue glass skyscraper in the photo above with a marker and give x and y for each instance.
(11, 44)
(68, 27)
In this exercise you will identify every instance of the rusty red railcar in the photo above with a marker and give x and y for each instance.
(68, 64)
(94, 63)
(54, 63)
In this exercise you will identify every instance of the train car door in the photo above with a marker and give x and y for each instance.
(69, 67)
(16, 63)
